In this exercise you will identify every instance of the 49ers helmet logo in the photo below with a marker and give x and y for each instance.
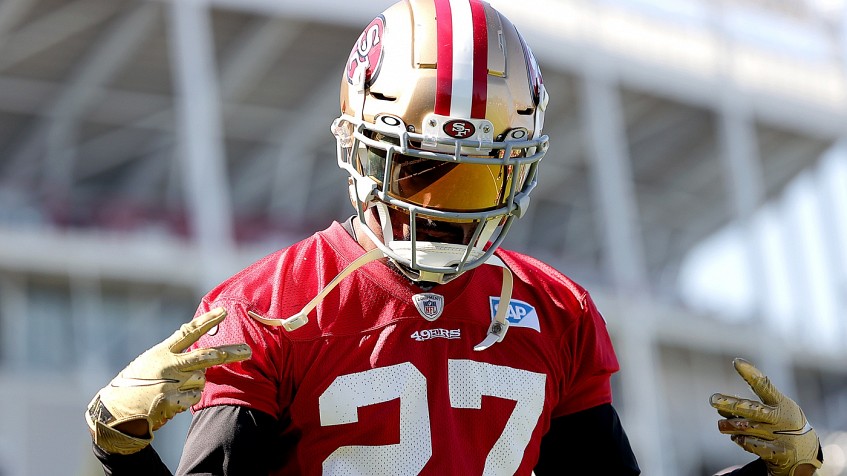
(459, 129)
(368, 51)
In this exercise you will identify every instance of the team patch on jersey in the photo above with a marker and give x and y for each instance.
(521, 314)
(427, 334)
(429, 305)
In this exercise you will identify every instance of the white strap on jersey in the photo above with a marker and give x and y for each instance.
(499, 325)
(496, 331)
(298, 320)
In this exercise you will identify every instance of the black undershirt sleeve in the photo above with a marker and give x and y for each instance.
(594, 442)
(144, 463)
(588, 442)
(230, 440)
(223, 440)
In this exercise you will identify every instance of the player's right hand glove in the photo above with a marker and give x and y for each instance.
(776, 429)
(157, 385)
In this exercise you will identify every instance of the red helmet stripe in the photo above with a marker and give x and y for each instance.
(444, 75)
(462, 76)
(480, 60)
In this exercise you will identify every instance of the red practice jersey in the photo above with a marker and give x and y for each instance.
(371, 386)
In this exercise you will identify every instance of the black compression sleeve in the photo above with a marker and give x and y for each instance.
(144, 463)
(230, 440)
(588, 442)
(223, 440)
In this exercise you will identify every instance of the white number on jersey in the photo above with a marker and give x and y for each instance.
(468, 381)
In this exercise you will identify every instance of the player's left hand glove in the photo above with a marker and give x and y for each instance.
(774, 429)
(157, 385)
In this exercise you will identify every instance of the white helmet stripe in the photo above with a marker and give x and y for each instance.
(462, 58)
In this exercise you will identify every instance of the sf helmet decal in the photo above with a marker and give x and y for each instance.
(368, 51)
(459, 129)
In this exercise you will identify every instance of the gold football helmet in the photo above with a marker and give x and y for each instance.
(442, 107)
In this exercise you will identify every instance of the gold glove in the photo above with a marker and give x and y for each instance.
(774, 429)
(157, 385)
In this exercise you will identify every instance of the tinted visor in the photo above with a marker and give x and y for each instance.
(444, 186)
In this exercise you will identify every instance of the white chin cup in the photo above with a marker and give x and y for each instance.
(432, 254)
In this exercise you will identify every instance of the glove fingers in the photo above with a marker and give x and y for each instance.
(200, 359)
(743, 408)
(235, 352)
(173, 403)
(742, 426)
(190, 332)
(196, 381)
(760, 384)
(771, 451)
(189, 398)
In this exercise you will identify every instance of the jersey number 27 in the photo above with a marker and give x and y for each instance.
(468, 382)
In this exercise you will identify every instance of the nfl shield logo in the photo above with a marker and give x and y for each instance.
(429, 305)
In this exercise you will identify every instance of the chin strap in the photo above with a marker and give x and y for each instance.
(499, 325)
(496, 331)
(298, 320)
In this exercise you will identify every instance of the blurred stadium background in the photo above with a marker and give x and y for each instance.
(696, 183)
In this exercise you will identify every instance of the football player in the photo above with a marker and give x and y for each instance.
(405, 341)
